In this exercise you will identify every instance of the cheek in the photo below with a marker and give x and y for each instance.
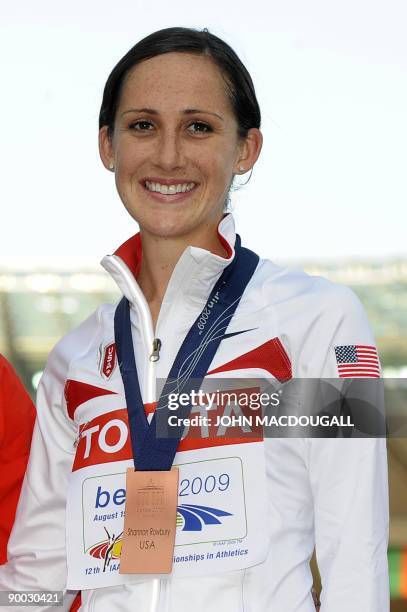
(127, 161)
(225, 158)
(129, 154)
(223, 176)
(219, 168)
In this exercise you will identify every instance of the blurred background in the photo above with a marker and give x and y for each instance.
(328, 193)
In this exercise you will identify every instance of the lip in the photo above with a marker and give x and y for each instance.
(168, 199)
(162, 181)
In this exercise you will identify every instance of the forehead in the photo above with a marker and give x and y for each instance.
(172, 81)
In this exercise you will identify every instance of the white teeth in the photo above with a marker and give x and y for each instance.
(169, 189)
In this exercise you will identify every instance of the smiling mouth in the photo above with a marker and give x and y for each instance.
(169, 189)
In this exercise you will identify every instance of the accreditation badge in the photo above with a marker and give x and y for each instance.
(220, 515)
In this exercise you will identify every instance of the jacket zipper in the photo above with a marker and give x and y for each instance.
(155, 355)
(79, 435)
(160, 595)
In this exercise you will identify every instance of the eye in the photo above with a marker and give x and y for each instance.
(139, 126)
(202, 127)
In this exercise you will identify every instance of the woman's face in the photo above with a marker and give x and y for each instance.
(175, 130)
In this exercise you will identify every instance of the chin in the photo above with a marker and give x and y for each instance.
(163, 222)
(168, 230)
(162, 227)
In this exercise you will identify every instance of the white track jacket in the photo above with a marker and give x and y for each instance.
(327, 493)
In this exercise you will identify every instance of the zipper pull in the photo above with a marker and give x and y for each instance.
(155, 355)
(79, 436)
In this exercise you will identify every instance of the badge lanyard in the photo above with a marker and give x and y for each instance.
(189, 368)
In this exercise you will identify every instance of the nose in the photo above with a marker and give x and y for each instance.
(170, 151)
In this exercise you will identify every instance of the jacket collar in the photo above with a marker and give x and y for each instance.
(193, 277)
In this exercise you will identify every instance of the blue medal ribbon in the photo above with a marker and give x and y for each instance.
(191, 364)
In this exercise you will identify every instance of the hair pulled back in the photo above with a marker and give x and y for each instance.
(239, 85)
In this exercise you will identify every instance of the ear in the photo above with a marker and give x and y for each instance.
(249, 151)
(106, 148)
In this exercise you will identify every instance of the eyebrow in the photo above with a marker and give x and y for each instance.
(186, 111)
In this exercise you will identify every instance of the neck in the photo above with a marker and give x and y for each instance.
(160, 256)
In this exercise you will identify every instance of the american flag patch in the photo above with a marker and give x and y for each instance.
(357, 360)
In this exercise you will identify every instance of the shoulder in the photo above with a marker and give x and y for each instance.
(287, 285)
(77, 341)
(312, 317)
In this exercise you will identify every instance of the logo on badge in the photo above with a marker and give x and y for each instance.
(108, 360)
(190, 517)
(108, 549)
(150, 499)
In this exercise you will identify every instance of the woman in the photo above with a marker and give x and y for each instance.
(179, 120)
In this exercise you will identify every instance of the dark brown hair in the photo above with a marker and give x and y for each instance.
(238, 82)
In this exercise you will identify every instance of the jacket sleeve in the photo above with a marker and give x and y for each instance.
(349, 482)
(36, 550)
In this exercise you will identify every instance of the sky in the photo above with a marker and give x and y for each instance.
(330, 77)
